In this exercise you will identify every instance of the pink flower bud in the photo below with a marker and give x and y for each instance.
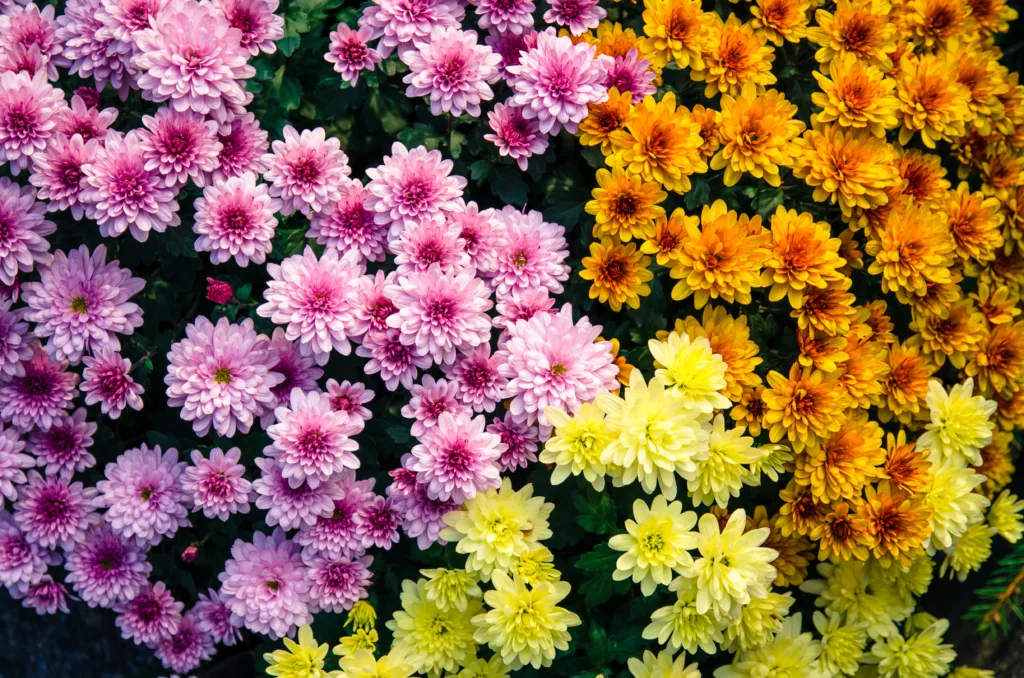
(218, 292)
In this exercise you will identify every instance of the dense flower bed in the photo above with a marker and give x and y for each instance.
(504, 336)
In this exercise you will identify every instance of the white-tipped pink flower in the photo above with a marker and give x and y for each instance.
(179, 145)
(217, 484)
(107, 380)
(458, 458)
(399, 22)
(235, 219)
(453, 70)
(28, 112)
(23, 231)
(257, 21)
(307, 171)
(311, 441)
(351, 53)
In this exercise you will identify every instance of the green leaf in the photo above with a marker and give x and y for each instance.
(597, 648)
(698, 195)
(766, 200)
(509, 186)
(596, 512)
(400, 434)
(420, 135)
(456, 141)
(481, 169)
(601, 559)
(243, 293)
(291, 93)
(288, 45)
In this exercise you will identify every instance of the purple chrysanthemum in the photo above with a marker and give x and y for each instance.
(107, 380)
(12, 462)
(91, 55)
(476, 379)
(121, 19)
(46, 596)
(22, 563)
(243, 146)
(457, 458)
(350, 52)
(397, 363)
(337, 534)
(552, 362)
(434, 241)
(533, 257)
(143, 495)
(217, 486)
(378, 522)
(214, 618)
(307, 171)
(235, 219)
(57, 172)
(555, 82)
(107, 569)
(429, 401)
(14, 340)
(265, 585)
(578, 16)
(504, 16)
(221, 376)
(120, 194)
(186, 648)
(39, 396)
(87, 121)
(511, 47)
(82, 302)
(26, 26)
(291, 507)
(399, 22)
(336, 584)
(312, 298)
(347, 399)
(28, 111)
(631, 74)
(481, 233)
(149, 617)
(453, 70)
(370, 307)
(422, 517)
(257, 21)
(179, 145)
(192, 57)
(299, 371)
(311, 441)
(64, 448)
(515, 136)
(53, 511)
(23, 229)
(523, 305)
(521, 441)
(410, 186)
(348, 225)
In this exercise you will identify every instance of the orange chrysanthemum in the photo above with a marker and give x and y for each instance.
(606, 122)
(734, 54)
(906, 385)
(954, 337)
(850, 167)
(675, 31)
(781, 19)
(794, 551)
(896, 522)
(807, 407)
(709, 120)
(871, 219)
(666, 241)
(821, 352)
(625, 369)
(613, 40)
(803, 254)
(829, 310)
(721, 259)
(874, 316)
(938, 297)
(971, 150)
(850, 253)
(749, 411)
(842, 535)
(998, 364)
(729, 338)
(1006, 270)
(912, 249)
(845, 462)
(863, 373)
(906, 467)
(979, 70)
(619, 273)
(924, 177)
(858, 95)
(975, 223)
(1002, 172)
(799, 513)
(625, 206)
(858, 27)
(1010, 411)
(932, 102)
(995, 303)
(1013, 210)
(996, 464)
(934, 23)
(992, 16)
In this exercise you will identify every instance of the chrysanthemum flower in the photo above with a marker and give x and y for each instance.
(214, 618)
(350, 52)
(217, 485)
(421, 516)
(675, 31)
(630, 74)
(842, 645)
(857, 95)
(64, 448)
(337, 583)
(179, 145)
(576, 15)
(789, 653)
(429, 400)
(311, 441)
(28, 108)
(897, 523)
(363, 664)
(38, 397)
(106, 569)
(722, 469)
(906, 467)
(807, 407)
(1004, 516)
(728, 338)
(619, 273)
(969, 552)
(377, 522)
(511, 46)
(913, 249)
(960, 424)
(235, 219)
(906, 385)
(410, 186)
(624, 205)
(457, 458)
(781, 20)
(845, 462)
(803, 255)
(293, 506)
(431, 640)
(690, 368)
(261, 27)
(830, 311)
(576, 446)
(605, 122)
(434, 241)
(306, 171)
(756, 132)
(81, 31)
(680, 625)
(304, 658)
(995, 303)
(932, 24)
(975, 222)
(921, 655)
(857, 27)
(656, 543)
(451, 589)
(149, 617)
(52, 511)
(998, 363)
(734, 53)
(46, 596)
(662, 665)
(119, 20)
(57, 173)
(504, 16)
(668, 235)
(954, 504)
(533, 256)
(932, 102)
(12, 463)
(515, 136)
(396, 362)
(954, 337)
(398, 23)
(23, 238)
(996, 464)
(924, 177)
(453, 70)
(476, 378)
(520, 440)
(243, 146)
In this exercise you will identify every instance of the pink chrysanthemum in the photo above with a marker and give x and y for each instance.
(39, 396)
(481, 232)
(378, 522)
(370, 307)
(511, 47)
(149, 617)
(21, 561)
(521, 441)
(28, 112)
(14, 340)
(82, 302)
(453, 70)
(88, 121)
(434, 241)
(21, 59)
(307, 171)
(214, 618)
(504, 16)
(12, 463)
(457, 458)
(403, 480)
(337, 534)
(555, 82)
(399, 22)
(107, 569)
(64, 449)
(186, 648)
(347, 399)
(288, 506)
(336, 584)
(265, 585)
(91, 55)
(179, 145)
(533, 257)
(440, 313)
(476, 379)
(515, 136)
(312, 298)
(52, 511)
(429, 401)
(23, 230)
(397, 363)
(410, 186)
(630, 74)
(107, 380)
(120, 194)
(299, 371)
(235, 219)
(348, 225)
(311, 441)
(27, 26)
(552, 362)
(422, 517)
(523, 305)
(221, 376)
(46, 596)
(257, 21)
(578, 16)
(143, 495)
(217, 485)
(122, 18)
(192, 57)
(57, 172)
(350, 52)
(243, 147)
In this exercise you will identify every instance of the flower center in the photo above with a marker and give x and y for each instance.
(79, 305)
(19, 124)
(222, 376)
(178, 143)
(235, 221)
(306, 171)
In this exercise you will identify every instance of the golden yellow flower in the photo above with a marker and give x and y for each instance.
(821, 352)
(850, 166)
(721, 259)
(872, 218)
(729, 338)
(998, 363)
(845, 462)
(953, 337)
(932, 24)
(781, 19)
(858, 27)
(841, 535)
(625, 206)
(619, 273)
(975, 222)
(830, 310)
(1006, 270)
(995, 303)
(971, 150)
(897, 523)
(932, 102)
(803, 254)
(734, 54)
(606, 122)
(749, 412)
(1002, 172)
(709, 120)
(757, 132)
(906, 385)
(938, 297)
(979, 70)
(996, 463)
(663, 146)
(857, 95)
(849, 252)
(807, 407)
(666, 241)
(614, 40)
(864, 372)
(873, 316)
(1010, 411)
(794, 551)
(924, 177)
(675, 31)
(1013, 210)
(906, 467)
(912, 249)
(799, 513)
(992, 16)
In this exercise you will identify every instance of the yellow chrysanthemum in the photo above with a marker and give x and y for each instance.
(451, 588)
(656, 544)
(729, 338)
(722, 469)
(906, 384)
(896, 522)
(849, 250)
(821, 351)
(842, 534)
(842, 644)
(606, 122)
(794, 550)
(362, 639)
(857, 95)
(922, 655)
(961, 424)
(625, 206)
(975, 222)
(802, 255)
(781, 19)
(829, 310)
(996, 464)
(954, 504)
(924, 177)
(790, 654)
(361, 616)
(535, 565)
(304, 659)
(863, 373)
(933, 24)
(482, 668)
(1002, 172)
(675, 31)
(998, 364)
(525, 625)
(992, 16)
(619, 273)
(845, 462)
(688, 366)
(845, 591)
(1006, 270)
(954, 336)
(1004, 516)
(734, 54)
(612, 39)
(913, 249)
(979, 70)
(577, 444)
(807, 407)
(662, 666)
(757, 132)
(874, 316)
(666, 241)
(432, 639)
(858, 27)
(362, 664)
(932, 102)
(680, 625)
(758, 621)
(709, 120)
(749, 411)
(969, 552)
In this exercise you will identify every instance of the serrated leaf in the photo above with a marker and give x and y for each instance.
(601, 559)
(481, 169)
(291, 93)
(288, 44)
(400, 434)
(596, 512)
